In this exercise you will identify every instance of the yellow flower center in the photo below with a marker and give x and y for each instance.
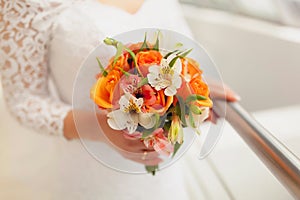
(167, 71)
(132, 107)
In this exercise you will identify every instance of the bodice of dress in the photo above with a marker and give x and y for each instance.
(83, 26)
(45, 41)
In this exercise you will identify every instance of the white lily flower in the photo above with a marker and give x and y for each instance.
(165, 77)
(130, 115)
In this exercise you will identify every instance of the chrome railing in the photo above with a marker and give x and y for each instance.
(284, 165)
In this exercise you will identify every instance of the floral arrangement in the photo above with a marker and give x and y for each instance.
(152, 94)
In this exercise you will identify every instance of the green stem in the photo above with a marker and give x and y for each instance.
(151, 169)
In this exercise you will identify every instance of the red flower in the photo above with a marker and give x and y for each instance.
(148, 95)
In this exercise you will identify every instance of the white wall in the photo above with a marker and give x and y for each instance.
(260, 60)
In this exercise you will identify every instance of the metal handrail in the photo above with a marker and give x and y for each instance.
(284, 165)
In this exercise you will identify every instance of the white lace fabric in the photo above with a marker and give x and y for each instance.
(24, 34)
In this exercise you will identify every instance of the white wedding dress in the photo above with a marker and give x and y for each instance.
(43, 43)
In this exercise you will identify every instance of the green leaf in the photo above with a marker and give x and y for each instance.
(144, 45)
(171, 64)
(184, 54)
(156, 45)
(103, 71)
(191, 120)
(176, 148)
(144, 81)
(120, 48)
(178, 45)
(147, 133)
(170, 53)
(167, 126)
(194, 97)
(151, 169)
(131, 53)
(123, 71)
(163, 120)
(157, 119)
(182, 110)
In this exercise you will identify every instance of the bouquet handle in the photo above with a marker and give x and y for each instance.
(284, 165)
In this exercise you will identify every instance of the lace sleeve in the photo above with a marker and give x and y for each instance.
(24, 33)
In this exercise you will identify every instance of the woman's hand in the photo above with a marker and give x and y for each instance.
(220, 91)
(131, 149)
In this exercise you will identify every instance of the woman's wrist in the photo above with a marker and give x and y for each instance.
(87, 123)
(70, 131)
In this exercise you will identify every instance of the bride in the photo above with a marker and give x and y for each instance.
(42, 46)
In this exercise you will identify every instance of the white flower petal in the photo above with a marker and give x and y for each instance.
(139, 102)
(131, 128)
(124, 102)
(154, 69)
(133, 118)
(117, 119)
(152, 79)
(177, 67)
(170, 91)
(147, 120)
(165, 62)
(132, 122)
(177, 81)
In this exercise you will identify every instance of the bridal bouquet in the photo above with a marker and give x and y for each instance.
(151, 94)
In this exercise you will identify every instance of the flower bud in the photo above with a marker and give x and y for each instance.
(176, 131)
(110, 41)
(195, 109)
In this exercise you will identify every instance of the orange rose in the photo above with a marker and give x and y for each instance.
(191, 67)
(151, 57)
(146, 59)
(196, 85)
(121, 63)
(137, 46)
(102, 92)
(199, 87)
(162, 103)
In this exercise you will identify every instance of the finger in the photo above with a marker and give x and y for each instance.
(219, 90)
(152, 162)
(210, 117)
(140, 147)
(145, 154)
(214, 117)
(135, 146)
(148, 159)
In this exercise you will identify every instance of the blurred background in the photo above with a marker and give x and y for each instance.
(256, 46)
